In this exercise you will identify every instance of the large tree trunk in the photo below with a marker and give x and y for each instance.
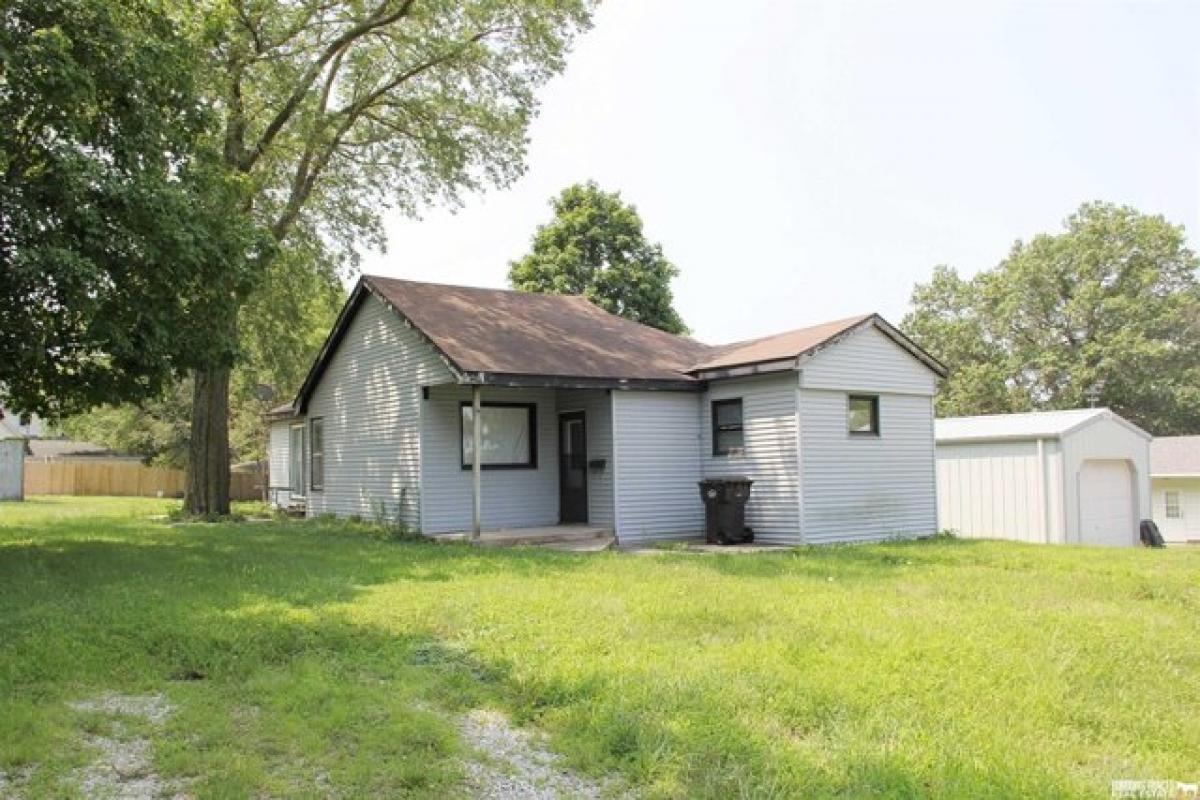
(208, 452)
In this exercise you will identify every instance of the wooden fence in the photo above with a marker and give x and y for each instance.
(122, 478)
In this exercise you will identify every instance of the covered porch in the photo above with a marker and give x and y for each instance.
(545, 474)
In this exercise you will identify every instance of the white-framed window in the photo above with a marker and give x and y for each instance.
(1174, 511)
(509, 435)
(296, 460)
(316, 448)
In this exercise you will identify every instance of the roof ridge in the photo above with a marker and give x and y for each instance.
(471, 288)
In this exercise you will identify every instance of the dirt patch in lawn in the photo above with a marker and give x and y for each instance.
(123, 766)
(512, 764)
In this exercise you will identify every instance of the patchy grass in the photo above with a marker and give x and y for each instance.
(311, 658)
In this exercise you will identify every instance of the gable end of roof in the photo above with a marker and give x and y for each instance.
(361, 291)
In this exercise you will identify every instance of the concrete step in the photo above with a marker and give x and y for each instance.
(585, 545)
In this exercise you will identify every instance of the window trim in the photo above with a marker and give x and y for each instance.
(1167, 504)
(314, 454)
(531, 409)
(876, 426)
(740, 427)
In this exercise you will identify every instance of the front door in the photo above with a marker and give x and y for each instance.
(572, 467)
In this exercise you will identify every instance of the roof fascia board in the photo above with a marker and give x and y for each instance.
(1007, 437)
(746, 370)
(573, 382)
(915, 350)
(1114, 417)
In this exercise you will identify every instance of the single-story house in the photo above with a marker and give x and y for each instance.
(1055, 477)
(1175, 487)
(587, 417)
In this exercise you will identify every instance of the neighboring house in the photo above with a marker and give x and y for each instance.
(589, 417)
(10, 424)
(1175, 487)
(59, 449)
(1077, 476)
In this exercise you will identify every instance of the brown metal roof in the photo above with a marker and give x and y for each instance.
(522, 333)
(1175, 455)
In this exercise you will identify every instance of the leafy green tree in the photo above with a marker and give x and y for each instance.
(118, 227)
(333, 112)
(595, 246)
(155, 428)
(1108, 309)
(284, 324)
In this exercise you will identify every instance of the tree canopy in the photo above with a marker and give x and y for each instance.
(283, 324)
(595, 246)
(1108, 310)
(115, 217)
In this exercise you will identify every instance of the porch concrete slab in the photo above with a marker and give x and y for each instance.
(700, 547)
(574, 534)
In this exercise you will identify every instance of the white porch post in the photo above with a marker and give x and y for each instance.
(477, 461)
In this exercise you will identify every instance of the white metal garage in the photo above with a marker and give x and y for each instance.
(1078, 476)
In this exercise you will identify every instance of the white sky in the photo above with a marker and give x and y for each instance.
(803, 161)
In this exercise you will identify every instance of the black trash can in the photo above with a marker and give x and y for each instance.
(725, 510)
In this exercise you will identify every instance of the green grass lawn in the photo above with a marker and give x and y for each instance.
(331, 657)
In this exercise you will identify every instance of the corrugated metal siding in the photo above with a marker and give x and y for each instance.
(657, 444)
(992, 491)
(512, 498)
(597, 408)
(869, 361)
(770, 457)
(370, 399)
(279, 480)
(860, 488)
(1103, 440)
(1187, 526)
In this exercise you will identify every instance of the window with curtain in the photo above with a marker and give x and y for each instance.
(509, 435)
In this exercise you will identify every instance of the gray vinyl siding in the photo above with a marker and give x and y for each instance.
(596, 406)
(370, 400)
(656, 440)
(512, 498)
(860, 488)
(770, 457)
(278, 461)
(870, 361)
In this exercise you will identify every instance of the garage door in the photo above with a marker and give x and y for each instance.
(1106, 503)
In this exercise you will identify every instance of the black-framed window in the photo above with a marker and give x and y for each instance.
(316, 451)
(727, 433)
(862, 415)
(509, 435)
